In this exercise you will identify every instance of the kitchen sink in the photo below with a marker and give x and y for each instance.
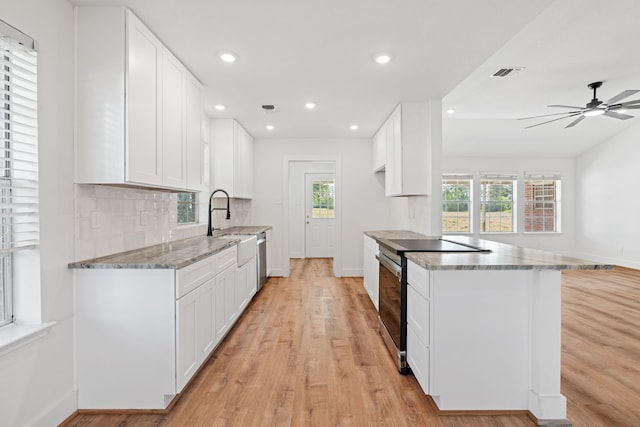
(246, 246)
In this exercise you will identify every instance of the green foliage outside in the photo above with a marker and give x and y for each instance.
(187, 206)
(323, 199)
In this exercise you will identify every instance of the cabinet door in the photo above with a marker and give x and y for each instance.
(230, 306)
(143, 124)
(174, 162)
(241, 286)
(252, 278)
(220, 312)
(379, 148)
(371, 269)
(393, 166)
(205, 306)
(243, 162)
(196, 179)
(187, 354)
(269, 235)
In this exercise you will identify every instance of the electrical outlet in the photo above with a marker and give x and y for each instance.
(95, 219)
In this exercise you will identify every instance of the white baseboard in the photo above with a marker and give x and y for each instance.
(58, 412)
(352, 272)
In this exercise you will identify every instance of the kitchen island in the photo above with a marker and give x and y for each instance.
(148, 319)
(484, 328)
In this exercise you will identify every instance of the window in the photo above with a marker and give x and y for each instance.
(456, 203)
(541, 203)
(18, 158)
(323, 198)
(187, 208)
(497, 203)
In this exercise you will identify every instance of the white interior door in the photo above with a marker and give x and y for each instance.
(319, 215)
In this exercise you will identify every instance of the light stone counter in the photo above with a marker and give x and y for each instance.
(176, 254)
(501, 257)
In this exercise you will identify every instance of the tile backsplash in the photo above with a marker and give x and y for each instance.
(117, 219)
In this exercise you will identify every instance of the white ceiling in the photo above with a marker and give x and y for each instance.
(294, 51)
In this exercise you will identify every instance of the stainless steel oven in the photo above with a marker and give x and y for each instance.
(393, 306)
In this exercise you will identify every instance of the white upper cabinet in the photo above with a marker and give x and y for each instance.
(197, 175)
(232, 158)
(407, 171)
(174, 149)
(132, 103)
(379, 149)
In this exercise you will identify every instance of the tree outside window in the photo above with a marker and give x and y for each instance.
(323, 199)
(187, 208)
(456, 203)
(497, 213)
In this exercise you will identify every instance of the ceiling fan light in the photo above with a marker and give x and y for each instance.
(594, 112)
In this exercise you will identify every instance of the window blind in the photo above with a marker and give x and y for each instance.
(19, 227)
(456, 176)
(542, 176)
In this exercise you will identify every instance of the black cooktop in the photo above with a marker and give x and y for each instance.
(432, 245)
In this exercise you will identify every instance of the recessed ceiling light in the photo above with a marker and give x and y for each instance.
(220, 107)
(310, 105)
(270, 127)
(353, 127)
(227, 56)
(451, 111)
(382, 58)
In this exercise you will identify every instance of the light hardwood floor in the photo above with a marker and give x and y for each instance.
(307, 353)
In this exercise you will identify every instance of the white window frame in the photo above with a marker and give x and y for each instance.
(554, 202)
(19, 225)
(194, 207)
(459, 177)
(513, 179)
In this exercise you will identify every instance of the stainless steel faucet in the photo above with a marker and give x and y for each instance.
(210, 229)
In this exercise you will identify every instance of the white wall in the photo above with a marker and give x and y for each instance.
(563, 242)
(37, 380)
(607, 204)
(364, 206)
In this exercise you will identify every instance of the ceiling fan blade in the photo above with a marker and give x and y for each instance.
(547, 115)
(554, 120)
(575, 122)
(617, 115)
(622, 95)
(566, 106)
(630, 107)
(635, 101)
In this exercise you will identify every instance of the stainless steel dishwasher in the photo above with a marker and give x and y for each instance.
(261, 259)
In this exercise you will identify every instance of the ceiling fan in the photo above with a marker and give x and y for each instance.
(611, 108)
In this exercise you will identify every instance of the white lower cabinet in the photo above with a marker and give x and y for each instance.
(371, 269)
(246, 283)
(143, 333)
(418, 324)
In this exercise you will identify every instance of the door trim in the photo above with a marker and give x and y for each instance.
(336, 160)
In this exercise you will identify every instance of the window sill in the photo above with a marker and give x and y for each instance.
(14, 336)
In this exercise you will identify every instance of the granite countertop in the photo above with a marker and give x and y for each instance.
(242, 229)
(502, 256)
(176, 254)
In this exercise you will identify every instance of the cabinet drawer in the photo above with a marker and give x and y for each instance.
(418, 314)
(418, 358)
(418, 277)
(194, 275)
(226, 259)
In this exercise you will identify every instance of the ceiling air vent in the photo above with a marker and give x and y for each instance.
(268, 108)
(504, 72)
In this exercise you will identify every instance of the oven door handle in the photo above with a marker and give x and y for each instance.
(390, 265)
